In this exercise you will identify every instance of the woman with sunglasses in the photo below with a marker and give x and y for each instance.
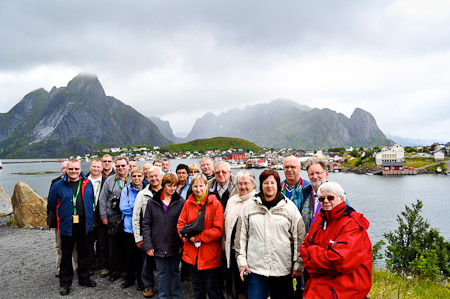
(337, 252)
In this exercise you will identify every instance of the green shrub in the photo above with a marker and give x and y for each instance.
(414, 243)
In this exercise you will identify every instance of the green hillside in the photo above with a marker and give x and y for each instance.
(220, 143)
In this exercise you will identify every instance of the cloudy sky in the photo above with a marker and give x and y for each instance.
(180, 59)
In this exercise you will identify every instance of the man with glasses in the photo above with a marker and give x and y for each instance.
(72, 199)
(306, 199)
(111, 215)
(107, 165)
(223, 184)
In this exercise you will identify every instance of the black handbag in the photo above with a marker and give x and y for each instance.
(195, 227)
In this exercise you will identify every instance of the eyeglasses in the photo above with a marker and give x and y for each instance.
(107, 161)
(118, 166)
(316, 173)
(221, 172)
(329, 197)
(73, 168)
(137, 176)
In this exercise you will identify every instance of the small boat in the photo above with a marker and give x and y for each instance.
(369, 173)
(1, 165)
(439, 169)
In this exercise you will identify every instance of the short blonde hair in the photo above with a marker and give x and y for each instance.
(199, 177)
(137, 169)
(193, 167)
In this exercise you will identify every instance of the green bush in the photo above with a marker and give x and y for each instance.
(414, 244)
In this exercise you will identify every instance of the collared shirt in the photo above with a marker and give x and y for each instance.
(222, 189)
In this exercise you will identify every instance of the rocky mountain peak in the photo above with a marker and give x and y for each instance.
(87, 84)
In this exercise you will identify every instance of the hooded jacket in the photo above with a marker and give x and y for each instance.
(60, 202)
(268, 240)
(209, 254)
(140, 205)
(337, 254)
(159, 229)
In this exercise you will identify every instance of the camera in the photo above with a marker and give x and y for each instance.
(115, 202)
(245, 274)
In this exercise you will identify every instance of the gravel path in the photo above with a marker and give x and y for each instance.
(27, 269)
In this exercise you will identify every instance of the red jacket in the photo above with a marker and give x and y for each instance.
(337, 254)
(209, 254)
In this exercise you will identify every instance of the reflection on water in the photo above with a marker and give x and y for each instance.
(379, 198)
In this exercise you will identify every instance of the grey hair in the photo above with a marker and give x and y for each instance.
(155, 167)
(331, 187)
(206, 158)
(165, 159)
(316, 161)
(223, 163)
(298, 160)
(246, 173)
(64, 164)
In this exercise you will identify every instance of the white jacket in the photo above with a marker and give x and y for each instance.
(231, 215)
(140, 204)
(268, 241)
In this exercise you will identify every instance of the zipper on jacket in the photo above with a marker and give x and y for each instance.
(333, 293)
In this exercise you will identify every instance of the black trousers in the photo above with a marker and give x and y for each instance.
(80, 238)
(98, 248)
(133, 259)
(116, 253)
(206, 282)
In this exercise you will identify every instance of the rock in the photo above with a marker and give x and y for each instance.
(29, 208)
(5, 203)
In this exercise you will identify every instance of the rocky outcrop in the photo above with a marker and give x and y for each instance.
(283, 123)
(73, 120)
(28, 207)
(5, 203)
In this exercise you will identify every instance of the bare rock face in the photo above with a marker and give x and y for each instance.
(5, 203)
(29, 208)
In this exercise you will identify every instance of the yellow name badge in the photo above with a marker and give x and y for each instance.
(76, 219)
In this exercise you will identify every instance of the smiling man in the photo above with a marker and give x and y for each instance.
(72, 199)
(111, 216)
(292, 167)
(306, 199)
(223, 184)
(207, 167)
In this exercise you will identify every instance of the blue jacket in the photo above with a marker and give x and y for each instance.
(60, 202)
(127, 199)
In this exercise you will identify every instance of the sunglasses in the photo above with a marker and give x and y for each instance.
(137, 176)
(118, 166)
(329, 197)
(72, 168)
(107, 161)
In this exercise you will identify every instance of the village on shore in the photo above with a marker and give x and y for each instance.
(388, 160)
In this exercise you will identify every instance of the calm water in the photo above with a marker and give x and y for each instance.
(379, 198)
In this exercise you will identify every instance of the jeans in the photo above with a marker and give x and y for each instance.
(147, 276)
(169, 282)
(206, 282)
(260, 287)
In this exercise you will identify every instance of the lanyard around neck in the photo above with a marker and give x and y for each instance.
(74, 198)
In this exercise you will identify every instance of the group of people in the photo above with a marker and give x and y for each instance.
(293, 239)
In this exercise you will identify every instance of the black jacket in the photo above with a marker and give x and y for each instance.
(159, 229)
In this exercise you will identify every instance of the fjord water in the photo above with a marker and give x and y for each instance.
(379, 198)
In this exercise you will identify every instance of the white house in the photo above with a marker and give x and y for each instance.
(395, 153)
(438, 156)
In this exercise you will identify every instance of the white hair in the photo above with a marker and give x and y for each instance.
(223, 163)
(331, 187)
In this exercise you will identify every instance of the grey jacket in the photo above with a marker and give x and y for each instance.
(110, 190)
(140, 205)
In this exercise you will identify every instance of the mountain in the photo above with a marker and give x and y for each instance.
(413, 142)
(70, 120)
(164, 128)
(284, 123)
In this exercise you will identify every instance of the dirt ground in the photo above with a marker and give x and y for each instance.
(27, 269)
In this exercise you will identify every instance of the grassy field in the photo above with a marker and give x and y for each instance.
(387, 285)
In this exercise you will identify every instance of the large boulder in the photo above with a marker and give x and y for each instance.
(29, 208)
(5, 203)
